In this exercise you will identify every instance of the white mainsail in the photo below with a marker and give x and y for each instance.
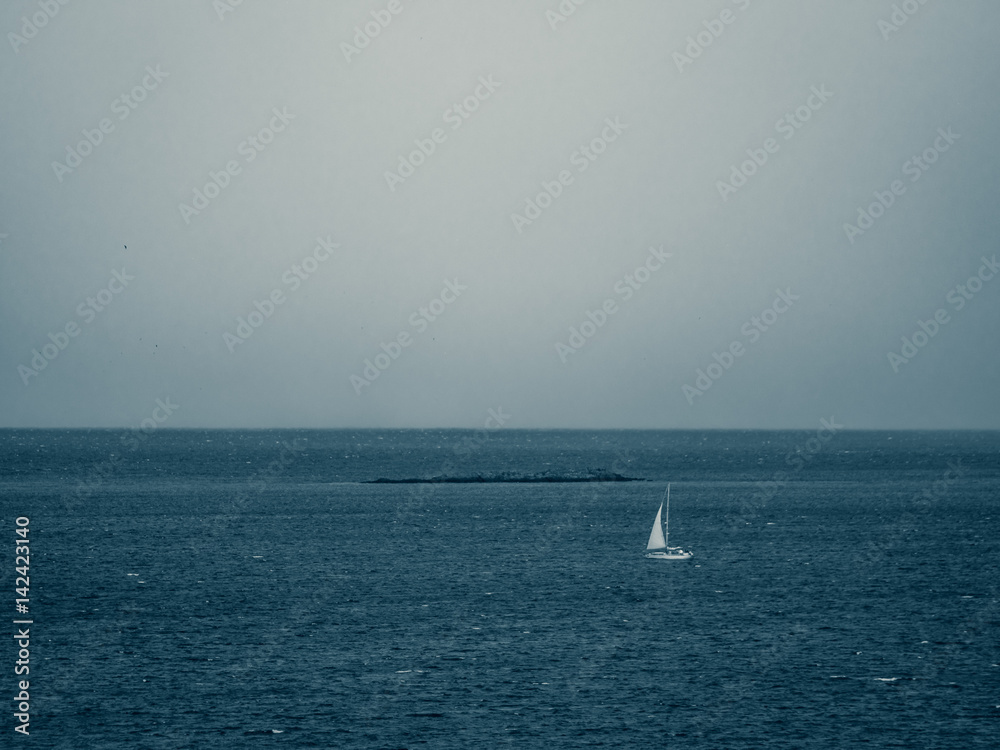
(659, 537)
(656, 540)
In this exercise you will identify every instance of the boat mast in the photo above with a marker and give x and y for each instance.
(666, 537)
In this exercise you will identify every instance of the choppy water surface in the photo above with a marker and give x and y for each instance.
(242, 589)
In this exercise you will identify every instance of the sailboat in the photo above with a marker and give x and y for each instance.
(657, 548)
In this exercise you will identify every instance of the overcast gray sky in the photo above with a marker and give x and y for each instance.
(666, 98)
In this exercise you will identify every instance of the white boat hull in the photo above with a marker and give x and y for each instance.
(670, 554)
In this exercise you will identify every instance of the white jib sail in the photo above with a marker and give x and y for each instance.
(656, 540)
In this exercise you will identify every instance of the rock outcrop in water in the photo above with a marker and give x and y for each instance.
(512, 477)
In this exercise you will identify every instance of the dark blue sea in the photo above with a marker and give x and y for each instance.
(246, 589)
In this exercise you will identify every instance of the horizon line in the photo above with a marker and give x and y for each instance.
(514, 429)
